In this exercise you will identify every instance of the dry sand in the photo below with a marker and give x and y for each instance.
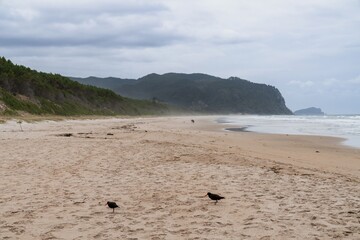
(159, 169)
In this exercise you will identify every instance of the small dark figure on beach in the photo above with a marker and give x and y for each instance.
(112, 205)
(214, 197)
(192, 120)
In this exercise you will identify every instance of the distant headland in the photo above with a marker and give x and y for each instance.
(309, 111)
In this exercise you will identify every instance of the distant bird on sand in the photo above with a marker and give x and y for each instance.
(112, 205)
(192, 120)
(214, 197)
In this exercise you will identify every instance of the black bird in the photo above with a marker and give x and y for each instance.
(214, 197)
(112, 205)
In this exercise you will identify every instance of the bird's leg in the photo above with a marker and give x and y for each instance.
(113, 209)
(216, 202)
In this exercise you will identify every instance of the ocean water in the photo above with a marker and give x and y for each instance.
(343, 126)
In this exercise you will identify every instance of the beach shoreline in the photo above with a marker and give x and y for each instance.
(58, 175)
(345, 127)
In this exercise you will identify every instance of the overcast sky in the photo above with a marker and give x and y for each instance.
(308, 49)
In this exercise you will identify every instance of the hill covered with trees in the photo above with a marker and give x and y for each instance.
(199, 92)
(25, 90)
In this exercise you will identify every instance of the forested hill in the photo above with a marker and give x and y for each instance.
(200, 92)
(26, 90)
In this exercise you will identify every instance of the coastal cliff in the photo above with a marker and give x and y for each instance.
(199, 92)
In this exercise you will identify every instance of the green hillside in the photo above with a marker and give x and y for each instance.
(200, 93)
(25, 90)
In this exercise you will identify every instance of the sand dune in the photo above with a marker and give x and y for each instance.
(56, 178)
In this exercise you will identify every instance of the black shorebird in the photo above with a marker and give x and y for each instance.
(112, 205)
(214, 197)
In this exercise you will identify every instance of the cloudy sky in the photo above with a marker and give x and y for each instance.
(308, 49)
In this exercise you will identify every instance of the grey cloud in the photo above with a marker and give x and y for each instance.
(234, 40)
(72, 9)
(119, 25)
(80, 14)
(121, 40)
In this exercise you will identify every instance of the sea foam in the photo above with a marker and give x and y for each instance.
(343, 126)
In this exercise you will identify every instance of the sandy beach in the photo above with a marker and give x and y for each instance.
(56, 177)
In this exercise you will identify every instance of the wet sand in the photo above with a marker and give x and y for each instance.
(56, 178)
